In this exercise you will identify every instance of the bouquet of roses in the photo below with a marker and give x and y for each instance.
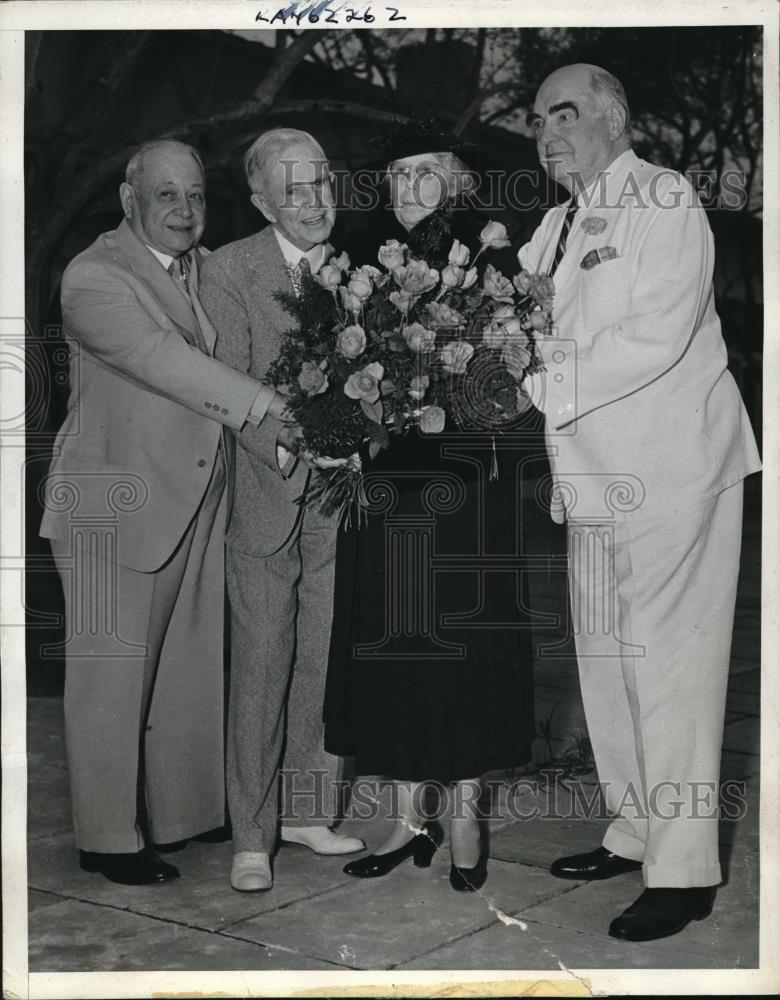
(377, 349)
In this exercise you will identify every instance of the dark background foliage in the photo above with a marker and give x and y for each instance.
(695, 96)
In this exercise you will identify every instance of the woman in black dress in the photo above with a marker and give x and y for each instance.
(430, 674)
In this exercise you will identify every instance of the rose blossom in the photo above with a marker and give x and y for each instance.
(418, 385)
(456, 355)
(401, 300)
(470, 278)
(417, 278)
(329, 277)
(493, 336)
(374, 275)
(506, 318)
(451, 276)
(365, 384)
(522, 282)
(391, 254)
(312, 379)
(349, 300)
(432, 420)
(539, 321)
(360, 286)
(516, 359)
(494, 236)
(351, 342)
(342, 262)
(419, 339)
(459, 254)
(442, 315)
(496, 285)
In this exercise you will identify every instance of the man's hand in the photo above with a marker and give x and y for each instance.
(322, 461)
(278, 407)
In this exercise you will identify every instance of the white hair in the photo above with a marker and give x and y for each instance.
(266, 149)
(460, 178)
(135, 165)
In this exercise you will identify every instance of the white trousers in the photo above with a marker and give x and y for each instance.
(653, 611)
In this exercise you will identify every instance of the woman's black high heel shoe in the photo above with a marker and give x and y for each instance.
(469, 879)
(421, 848)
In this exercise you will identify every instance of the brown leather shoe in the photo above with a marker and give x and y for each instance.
(593, 865)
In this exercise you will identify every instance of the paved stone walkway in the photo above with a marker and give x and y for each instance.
(316, 918)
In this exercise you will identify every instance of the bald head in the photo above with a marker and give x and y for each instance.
(164, 196)
(580, 122)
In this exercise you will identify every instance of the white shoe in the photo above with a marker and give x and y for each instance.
(251, 871)
(322, 840)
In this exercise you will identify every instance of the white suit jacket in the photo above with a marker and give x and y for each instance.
(642, 415)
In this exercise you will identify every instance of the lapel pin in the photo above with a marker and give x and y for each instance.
(594, 225)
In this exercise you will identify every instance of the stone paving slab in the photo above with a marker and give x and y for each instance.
(202, 897)
(544, 946)
(378, 923)
(73, 937)
(730, 932)
(48, 801)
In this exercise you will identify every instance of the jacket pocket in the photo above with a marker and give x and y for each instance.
(604, 293)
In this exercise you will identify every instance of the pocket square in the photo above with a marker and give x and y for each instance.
(594, 257)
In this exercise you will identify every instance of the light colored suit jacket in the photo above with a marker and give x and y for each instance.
(238, 283)
(146, 404)
(642, 414)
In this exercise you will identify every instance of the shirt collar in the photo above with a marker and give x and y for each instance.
(164, 258)
(292, 254)
(608, 181)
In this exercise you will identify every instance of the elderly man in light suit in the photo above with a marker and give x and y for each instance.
(135, 511)
(280, 558)
(649, 443)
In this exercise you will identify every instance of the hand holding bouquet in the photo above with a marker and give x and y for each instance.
(376, 349)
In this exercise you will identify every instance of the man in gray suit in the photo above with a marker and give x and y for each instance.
(135, 512)
(280, 558)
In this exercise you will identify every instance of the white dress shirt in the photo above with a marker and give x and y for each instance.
(260, 405)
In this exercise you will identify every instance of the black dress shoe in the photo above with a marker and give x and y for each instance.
(597, 864)
(218, 836)
(142, 868)
(421, 848)
(659, 913)
(469, 879)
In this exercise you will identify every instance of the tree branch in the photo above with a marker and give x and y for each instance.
(285, 62)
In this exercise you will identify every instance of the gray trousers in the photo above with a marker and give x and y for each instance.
(144, 684)
(281, 611)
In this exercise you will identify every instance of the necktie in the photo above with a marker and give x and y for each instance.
(301, 270)
(179, 270)
(560, 249)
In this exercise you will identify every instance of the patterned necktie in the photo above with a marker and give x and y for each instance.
(301, 270)
(179, 270)
(560, 249)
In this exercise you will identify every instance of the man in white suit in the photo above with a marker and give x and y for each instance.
(649, 443)
(135, 511)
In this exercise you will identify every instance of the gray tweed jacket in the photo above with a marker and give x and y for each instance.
(237, 286)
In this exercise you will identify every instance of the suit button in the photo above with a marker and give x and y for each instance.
(207, 405)
(201, 462)
(224, 413)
